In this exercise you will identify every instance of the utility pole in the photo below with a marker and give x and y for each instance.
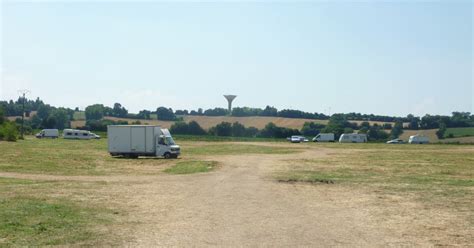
(23, 93)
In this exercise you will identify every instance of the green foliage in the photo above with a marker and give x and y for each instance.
(216, 112)
(2, 115)
(119, 111)
(191, 167)
(312, 128)
(376, 133)
(145, 114)
(397, 130)
(246, 111)
(95, 112)
(165, 114)
(101, 125)
(337, 124)
(222, 129)
(441, 131)
(273, 131)
(191, 128)
(8, 131)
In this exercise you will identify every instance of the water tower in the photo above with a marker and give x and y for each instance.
(230, 98)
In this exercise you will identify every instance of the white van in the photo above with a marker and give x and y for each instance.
(79, 134)
(418, 139)
(353, 138)
(48, 133)
(324, 137)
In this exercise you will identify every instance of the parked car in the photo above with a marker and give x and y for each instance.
(48, 133)
(396, 141)
(295, 139)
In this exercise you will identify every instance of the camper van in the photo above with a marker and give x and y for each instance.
(353, 138)
(418, 139)
(79, 134)
(141, 140)
(48, 133)
(324, 137)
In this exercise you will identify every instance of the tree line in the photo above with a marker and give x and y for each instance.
(53, 117)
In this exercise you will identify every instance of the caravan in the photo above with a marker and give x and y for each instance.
(79, 134)
(353, 138)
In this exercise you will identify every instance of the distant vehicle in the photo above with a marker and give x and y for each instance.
(418, 139)
(48, 133)
(79, 134)
(353, 138)
(324, 137)
(396, 141)
(141, 140)
(297, 139)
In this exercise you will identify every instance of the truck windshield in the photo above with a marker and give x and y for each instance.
(169, 141)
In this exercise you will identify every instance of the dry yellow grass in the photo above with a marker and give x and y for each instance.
(207, 122)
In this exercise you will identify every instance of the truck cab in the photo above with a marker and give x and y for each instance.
(166, 147)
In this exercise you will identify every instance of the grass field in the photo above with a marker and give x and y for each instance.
(79, 115)
(459, 132)
(72, 192)
(190, 167)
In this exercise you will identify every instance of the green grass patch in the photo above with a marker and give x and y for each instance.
(459, 132)
(211, 138)
(190, 167)
(237, 149)
(29, 217)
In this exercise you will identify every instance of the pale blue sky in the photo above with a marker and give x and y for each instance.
(390, 58)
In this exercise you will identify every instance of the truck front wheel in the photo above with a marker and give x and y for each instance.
(167, 155)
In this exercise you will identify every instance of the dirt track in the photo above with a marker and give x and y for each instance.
(241, 205)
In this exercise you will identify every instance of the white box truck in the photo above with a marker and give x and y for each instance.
(353, 138)
(48, 133)
(79, 134)
(324, 137)
(418, 139)
(141, 140)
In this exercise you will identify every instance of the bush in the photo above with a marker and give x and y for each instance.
(191, 128)
(8, 131)
(95, 125)
(273, 131)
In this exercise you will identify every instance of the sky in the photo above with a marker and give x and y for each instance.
(381, 57)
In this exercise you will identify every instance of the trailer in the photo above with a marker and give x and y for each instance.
(79, 134)
(141, 140)
(353, 138)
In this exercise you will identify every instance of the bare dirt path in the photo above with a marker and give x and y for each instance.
(240, 205)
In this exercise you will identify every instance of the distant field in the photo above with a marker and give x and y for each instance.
(431, 134)
(207, 122)
(79, 115)
(460, 132)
